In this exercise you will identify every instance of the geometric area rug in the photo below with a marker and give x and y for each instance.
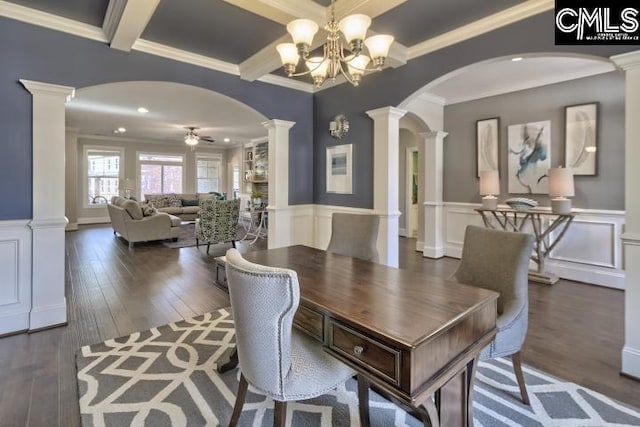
(167, 376)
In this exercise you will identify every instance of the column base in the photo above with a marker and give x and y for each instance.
(546, 278)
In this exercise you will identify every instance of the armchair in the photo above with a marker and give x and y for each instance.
(218, 222)
(354, 235)
(499, 260)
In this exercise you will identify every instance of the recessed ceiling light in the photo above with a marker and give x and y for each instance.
(226, 140)
(142, 110)
(517, 58)
(121, 130)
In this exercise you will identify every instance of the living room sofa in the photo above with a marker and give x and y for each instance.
(128, 220)
(186, 206)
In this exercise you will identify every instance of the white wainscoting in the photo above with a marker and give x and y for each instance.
(15, 276)
(590, 251)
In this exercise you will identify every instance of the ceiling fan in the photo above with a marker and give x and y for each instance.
(192, 138)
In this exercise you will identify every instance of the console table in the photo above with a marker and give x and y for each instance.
(543, 223)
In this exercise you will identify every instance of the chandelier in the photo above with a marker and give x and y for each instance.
(351, 62)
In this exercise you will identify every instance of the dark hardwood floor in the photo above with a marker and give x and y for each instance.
(575, 330)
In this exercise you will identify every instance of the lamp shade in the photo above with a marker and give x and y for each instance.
(288, 53)
(354, 27)
(379, 45)
(489, 183)
(561, 182)
(302, 31)
(318, 66)
(357, 65)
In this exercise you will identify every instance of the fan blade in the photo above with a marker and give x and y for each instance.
(207, 138)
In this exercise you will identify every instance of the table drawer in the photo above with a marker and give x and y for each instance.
(367, 352)
(310, 322)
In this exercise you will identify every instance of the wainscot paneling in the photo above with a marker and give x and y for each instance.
(590, 251)
(15, 277)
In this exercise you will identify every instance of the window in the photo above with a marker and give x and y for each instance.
(160, 173)
(208, 174)
(102, 174)
(236, 181)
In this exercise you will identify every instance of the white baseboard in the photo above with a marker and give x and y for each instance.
(403, 232)
(14, 322)
(96, 220)
(48, 315)
(589, 274)
(72, 226)
(431, 252)
(631, 361)
(420, 246)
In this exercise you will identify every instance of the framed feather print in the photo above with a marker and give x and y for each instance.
(581, 138)
(487, 144)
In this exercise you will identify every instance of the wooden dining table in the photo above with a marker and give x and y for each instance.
(416, 337)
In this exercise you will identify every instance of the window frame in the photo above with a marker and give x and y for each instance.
(85, 171)
(157, 162)
(208, 156)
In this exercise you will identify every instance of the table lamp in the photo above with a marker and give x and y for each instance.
(561, 187)
(129, 185)
(489, 188)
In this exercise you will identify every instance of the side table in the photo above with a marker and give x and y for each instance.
(543, 223)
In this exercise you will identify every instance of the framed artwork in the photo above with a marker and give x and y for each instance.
(580, 138)
(529, 157)
(339, 169)
(487, 144)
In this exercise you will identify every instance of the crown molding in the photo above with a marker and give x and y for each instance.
(497, 20)
(627, 61)
(133, 20)
(432, 99)
(287, 82)
(372, 8)
(542, 81)
(153, 48)
(121, 141)
(283, 11)
(53, 22)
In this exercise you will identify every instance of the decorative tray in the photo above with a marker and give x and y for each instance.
(521, 203)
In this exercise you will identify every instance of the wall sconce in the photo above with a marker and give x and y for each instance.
(560, 187)
(339, 126)
(489, 188)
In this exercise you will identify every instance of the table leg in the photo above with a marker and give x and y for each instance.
(232, 363)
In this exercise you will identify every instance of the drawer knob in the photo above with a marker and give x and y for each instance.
(358, 350)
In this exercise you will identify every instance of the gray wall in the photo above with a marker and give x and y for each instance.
(604, 191)
(407, 139)
(392, 86)
(36, 53)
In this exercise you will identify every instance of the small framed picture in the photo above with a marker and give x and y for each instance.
(487, 133)
(339, 169)
(581, 138)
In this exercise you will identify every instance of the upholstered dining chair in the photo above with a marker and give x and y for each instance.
(354, 235)
(277, 360)
(217, 222)
(499, 260)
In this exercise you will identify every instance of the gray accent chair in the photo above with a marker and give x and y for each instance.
(354, 235)
(499, 260)
(218, 222)
(277, 360)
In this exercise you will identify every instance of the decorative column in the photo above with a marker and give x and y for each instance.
(280, 228)
(49, 306)
(386, 171)
(630, 63)
(431, 161)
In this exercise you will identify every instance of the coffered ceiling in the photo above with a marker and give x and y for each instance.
(239, 36)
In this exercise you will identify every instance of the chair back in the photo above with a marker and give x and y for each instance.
(218, 220)
(497, 260)
(354, 235)
(263, 301)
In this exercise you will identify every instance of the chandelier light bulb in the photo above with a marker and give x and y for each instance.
(318, 67)
(190, 139)
(289, 56)
(354, 28)
(379, 48)
(302, 31)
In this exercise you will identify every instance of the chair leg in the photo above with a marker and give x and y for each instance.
(208, 244)
(237, 408)
(197, 244)
(279, 414)
(233, 243)
(363, 400)
(517, 368)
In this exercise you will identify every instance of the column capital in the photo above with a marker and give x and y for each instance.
(434, 134)
(40, 88)
(278, 124)
(390, 112)
(627, 61)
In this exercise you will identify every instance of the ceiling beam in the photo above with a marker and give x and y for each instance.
(372, 8)
(283, 11)
(125, 21)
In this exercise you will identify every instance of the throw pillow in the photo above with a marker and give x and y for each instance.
(174, 200)
(160, 202)
(132, 208)
(203, 196)
(148, 210)
(190, 202)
